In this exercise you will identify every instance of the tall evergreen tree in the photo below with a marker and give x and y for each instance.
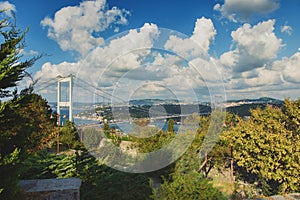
(25, 123)
(12, 69)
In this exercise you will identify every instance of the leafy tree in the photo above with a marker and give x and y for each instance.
(69, 135)
(153, 139)
(291, 109)
(183, 179)
(206, 152)
(267, 145)
(191, 160)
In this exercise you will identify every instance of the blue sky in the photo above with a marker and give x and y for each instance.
(253, 45)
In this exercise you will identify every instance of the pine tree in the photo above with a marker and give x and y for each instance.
(25, 123)
(12, 69)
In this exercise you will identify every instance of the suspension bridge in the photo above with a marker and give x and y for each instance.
(70, 90)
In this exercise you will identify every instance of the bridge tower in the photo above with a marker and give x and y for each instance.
(69, 101)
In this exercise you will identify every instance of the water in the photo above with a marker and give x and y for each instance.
(64, 116)
(125, 127)
(81, 122)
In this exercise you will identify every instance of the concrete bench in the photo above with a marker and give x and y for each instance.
(51, 189)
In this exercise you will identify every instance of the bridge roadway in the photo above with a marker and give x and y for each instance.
(175, 116)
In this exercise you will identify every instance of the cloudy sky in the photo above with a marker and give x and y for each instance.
(189, 50)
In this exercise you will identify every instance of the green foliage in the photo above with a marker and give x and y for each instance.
(190, 185)
(190, 160)
(113, 184)
(9, 165)
(106, 129)
(36, 166)
(91, 138)
(98, 180)
(25, 124)
(291, 109)
(156, 140)
(111, 133)
(12, 70)
(267, 145)
(206, 151)
(69, 135)
(171, 125)
(189, 178)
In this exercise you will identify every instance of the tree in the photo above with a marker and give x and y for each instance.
(188, 179)
(12, 69)
(171, 125)
(25, 127)
(92, 138)
(106, 130)
(267, 145)
(206, 152)
(291, 109)
(25, 123)
(69, 135)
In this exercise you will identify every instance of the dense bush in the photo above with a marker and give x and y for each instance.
(98, 180)
(190, 185)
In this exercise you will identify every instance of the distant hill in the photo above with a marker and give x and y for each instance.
(259, 100)
(242, 107)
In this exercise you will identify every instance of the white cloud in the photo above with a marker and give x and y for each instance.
(8, 7)
(198, 44)
(236, 10)
(123, 53)
(120, 55)
(75, 27)
(260, 82)
(263, 78)
(255, 47)
(204, 33)
(184, 47)
(278, 79)
(287, 29)
(290, 68)
(51, 71)
(29, 53)
(127, 64)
